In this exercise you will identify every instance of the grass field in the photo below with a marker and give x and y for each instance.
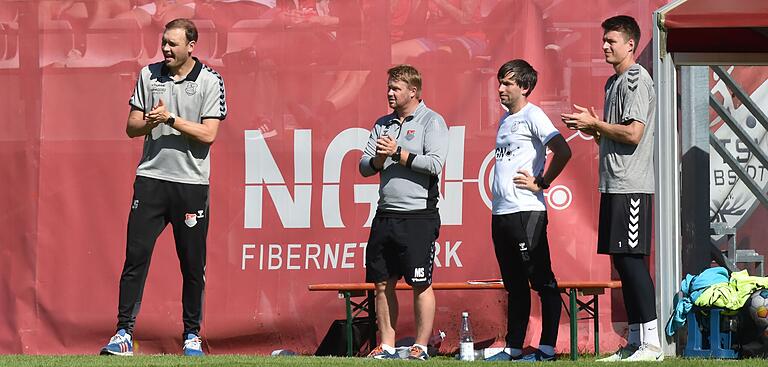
(241, 360)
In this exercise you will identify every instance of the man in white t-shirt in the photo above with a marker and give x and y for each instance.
(519, 223)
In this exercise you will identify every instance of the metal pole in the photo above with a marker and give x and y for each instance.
(667, 163)
(574, 325)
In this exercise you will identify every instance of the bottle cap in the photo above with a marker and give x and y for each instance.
(465, 314)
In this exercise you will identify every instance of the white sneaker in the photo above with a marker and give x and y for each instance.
(646, 352)
(623, 353)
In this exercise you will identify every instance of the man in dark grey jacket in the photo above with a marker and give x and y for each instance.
(408, 149)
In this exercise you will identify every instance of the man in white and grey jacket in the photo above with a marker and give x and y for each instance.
(408, 149)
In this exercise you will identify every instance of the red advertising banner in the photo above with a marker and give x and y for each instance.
(305, 81)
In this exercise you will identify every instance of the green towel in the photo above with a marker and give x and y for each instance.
(731, 295)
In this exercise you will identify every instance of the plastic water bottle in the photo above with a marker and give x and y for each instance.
(466, 342)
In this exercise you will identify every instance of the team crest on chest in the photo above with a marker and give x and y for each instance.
(514, 126)
(191, 88)
(410, 134)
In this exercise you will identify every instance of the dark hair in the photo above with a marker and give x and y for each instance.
(181, 23)
(408, 74)
(524, 75)
(623, 24)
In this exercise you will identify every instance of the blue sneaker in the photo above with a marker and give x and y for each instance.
(500, 356)
(120, 345)
(503, 356)
(537, 356)
(380, 353)
(193, 346)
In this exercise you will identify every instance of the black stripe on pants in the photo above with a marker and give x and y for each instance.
(155, 204)
(522, 251)
(636, 287)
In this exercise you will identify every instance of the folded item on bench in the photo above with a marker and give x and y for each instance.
(485, 281)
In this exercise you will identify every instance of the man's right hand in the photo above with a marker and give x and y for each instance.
(159, 114)
(139, 123)
(384, 145)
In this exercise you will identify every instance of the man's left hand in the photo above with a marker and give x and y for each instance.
(386, 146)
(158, 114)
(525, 181)
(584, 119)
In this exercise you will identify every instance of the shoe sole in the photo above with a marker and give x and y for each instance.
(107, 352)
(657, 359)
(609, 359)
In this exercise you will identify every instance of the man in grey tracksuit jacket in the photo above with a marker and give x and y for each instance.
(408, 149)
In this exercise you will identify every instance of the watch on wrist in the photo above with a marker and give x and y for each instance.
(396, 155)
(171, 119)
(539, 181)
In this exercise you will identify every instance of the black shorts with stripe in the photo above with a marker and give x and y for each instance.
(401, 247)
(626, 221)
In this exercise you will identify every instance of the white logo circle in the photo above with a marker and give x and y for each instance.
(481, 178)
(559, 197)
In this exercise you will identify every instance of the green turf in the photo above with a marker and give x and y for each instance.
(241, 360)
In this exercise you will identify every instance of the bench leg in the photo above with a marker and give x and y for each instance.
(349, 337)
(596, 319)
(574, 326)
(372, 319)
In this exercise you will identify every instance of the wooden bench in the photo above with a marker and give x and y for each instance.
(574, 289)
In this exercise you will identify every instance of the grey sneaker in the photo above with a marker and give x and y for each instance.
(623, 353)
(380, 353)
(646, 352)
(417, 353)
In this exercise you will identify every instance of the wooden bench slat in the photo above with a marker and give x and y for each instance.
(591, 288)
(337, 287)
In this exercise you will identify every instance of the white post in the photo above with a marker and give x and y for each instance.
(667, 163)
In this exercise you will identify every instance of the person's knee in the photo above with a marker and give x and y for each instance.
(138, 255)
(381, 286)
(517, 284)
(387, 285)
(419, 289)
(547, 288)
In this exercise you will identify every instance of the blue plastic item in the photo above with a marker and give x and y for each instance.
(718, 341)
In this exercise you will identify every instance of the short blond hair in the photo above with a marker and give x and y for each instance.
(408, 74)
